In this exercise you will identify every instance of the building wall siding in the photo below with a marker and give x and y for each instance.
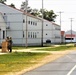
(16, 21)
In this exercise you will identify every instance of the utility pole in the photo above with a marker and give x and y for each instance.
(26, 3)
(42, 26)
(71, 19)
(60, 23)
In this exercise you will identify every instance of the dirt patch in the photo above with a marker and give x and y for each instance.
(54, 55)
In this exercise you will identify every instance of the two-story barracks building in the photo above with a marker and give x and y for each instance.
(25, 28)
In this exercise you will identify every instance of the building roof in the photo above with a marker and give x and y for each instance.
(69, 35)
(28, 14)
(55, 24)
(49, 21)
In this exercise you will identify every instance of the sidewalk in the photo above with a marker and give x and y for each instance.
(27, 50)
(33, 49)
(2, 53)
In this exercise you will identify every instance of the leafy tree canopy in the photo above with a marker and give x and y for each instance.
(12, 5)
(2, 1)
(35, 12)
(48, 15)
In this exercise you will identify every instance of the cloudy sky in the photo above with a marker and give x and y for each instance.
(68, 7)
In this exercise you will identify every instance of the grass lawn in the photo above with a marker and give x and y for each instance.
(14, 62)
(17, 61)
(20, 47)
(64, 46)
(59, 48)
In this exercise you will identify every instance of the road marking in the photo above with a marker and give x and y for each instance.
(71, 70)
(71, 58)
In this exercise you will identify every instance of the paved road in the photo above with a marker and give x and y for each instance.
(65, 65)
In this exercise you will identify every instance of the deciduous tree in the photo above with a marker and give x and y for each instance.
(12, 5)
(2, 1)
(48, 15)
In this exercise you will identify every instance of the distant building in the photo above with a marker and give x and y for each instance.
(62, 36)
(70, 36)
(13, 23)
(56, 33)
(51, 31)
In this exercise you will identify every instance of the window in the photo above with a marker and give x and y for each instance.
(57, 36)
(36, 24)
(46, 33)
(23, 34)
(28, 22)
(4, 13)
(31, 34)
(57, 28)
(35, 35)
(3, 34)
(46, 24)
(31, 22)
(28, 34)
(69, 38)
(23, 21)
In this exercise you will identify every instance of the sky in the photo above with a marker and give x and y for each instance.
(67, 7)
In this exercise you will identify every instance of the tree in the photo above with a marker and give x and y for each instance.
(35, 12)
(12, 5)
(2, 1)
(48, 15)
(23, 7)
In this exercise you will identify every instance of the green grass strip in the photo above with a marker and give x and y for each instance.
(59, 48)
(14, 62)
